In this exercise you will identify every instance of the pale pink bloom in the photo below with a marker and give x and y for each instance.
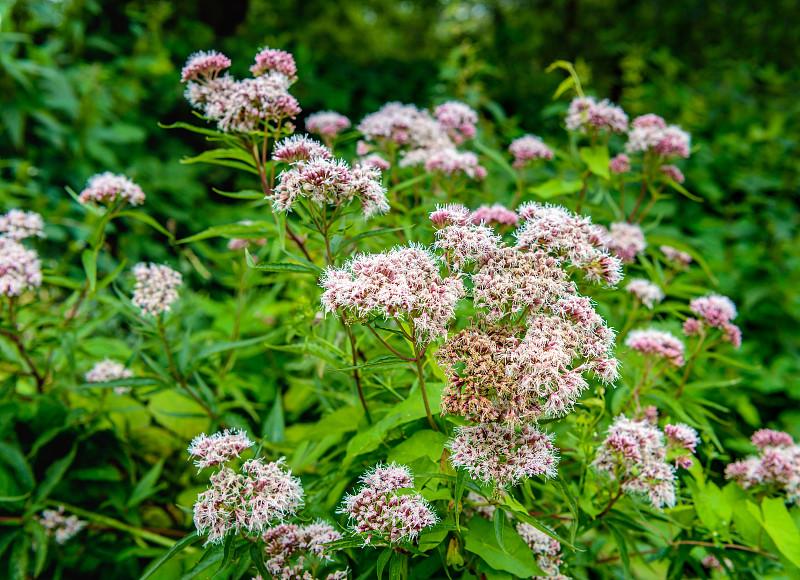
(771, 438)
(650, 414)
(450, 214)
(649, 133)
(218, 448)
(546, 549)
(397, 122)
(156, 288)
(649, 120)
(20, 268)
(462, 245)
(204, 66)
(107, 187)
(368, 187)
(529, 148)
(620, 164)
(733, 334)
(714, 309)
(211, 96)
(565, 234)
(777, 465)
(634, 452)
(673, 173)
(272, 59)
(497, 213)
(677, 257)
(248, 502)
(586, 114)
(404, 282)
(300, 148)
(692, 326)
(649, 293)
(682, 436)
(626, 241)
(363, 148)
(658, 343)
(62, 527)
(375, 160)
(382, 506)
(17, 225)
(328, 123)
(250, 104)
(109, 370)
(240, 243)
(457, 120)
(450, 161)
(502, 455)
(291, 549)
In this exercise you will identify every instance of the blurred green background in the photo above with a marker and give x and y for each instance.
(84, 84)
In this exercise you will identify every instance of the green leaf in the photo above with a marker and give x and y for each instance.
(173, 551)
(62, 282)
(54, 474)
(563, 87)
(40, 546)
(555, 187)
(12, 457)
(285, 267)
(518, 559)
(192, 128)
(228, 552)
(781, 528)
(254, 230)
(146, 486)
(257, 556)
(498, 158)
(683, 191)
(378, 363)
(499, 520)
(525, 517)
(145, 218)
(130, 382)
(371, 234)
(113, 275)
(596, 159)
(622, 550)
(219, 347)
(274, 426)
(382, 560)
(244, 194)
(19, 559)
(89, 260)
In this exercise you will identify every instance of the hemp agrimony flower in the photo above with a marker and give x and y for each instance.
(62, 527)
(156, 288)
(17, 225)
(648, 293)
(20, 268)
(529, 148)
(109, 370)
(107, 187)
(327, 123)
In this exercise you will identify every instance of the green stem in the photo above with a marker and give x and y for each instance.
(356, 377)
(421, 376)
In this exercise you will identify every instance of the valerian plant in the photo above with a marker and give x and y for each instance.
(416, 353)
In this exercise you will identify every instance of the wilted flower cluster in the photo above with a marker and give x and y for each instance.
(246, 502)
(292, 549)
(156, 288)
(503, 455)
(20, 268)
(327, 123)
(635, 454)
(646, 291)
(382, 506)
(322, 181)
(657, 343)
(626, 241)
(109, 370)
(715, 311)
(62, 527)
(402, 283)
(17, 225)
(247, 105)
(586, 115)
(547, 550)
(775, 468)
(529, 148)
(651, 134)
(107, 187)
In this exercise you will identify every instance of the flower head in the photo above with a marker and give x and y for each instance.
(649, 293)
(529, 148)
(457, 120)
(300, 148)
(546, 549)
(291, 549)
(626, 241)
(450, 214)
(109, 370)
(17, 225)
(714, 309)
(107, 187)
(585, 115)
(204, 66)
(677, 257)
(328, 123)
(650, 134)
(620, 164)
(271, 59)
(658, 343)
(156, 288)
(777, 465)
(496, 214)
(218, 448)
(450, 161)
(673, 173)
(20, 268)
(62, 527)
(376, 161)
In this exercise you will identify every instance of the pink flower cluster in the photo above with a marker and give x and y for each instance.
(647, 292)
(300, 148)
(684, 439)
(451, 161)
(20, 268)
(565, 234)
(247, 502)
(626, 241)
(204, 66)
(383, 506)
(402, 125)
(376, 161)
(331, 181)
(677, 257)
(585, 115)
(650, 134)
(292, 549)
(463, 244)
(496, 214)
(109, 370)
(657, 343)
(776, 467)
(503, 455)
(620, 164)
(156, 288)
(62, 527)
(250, 104)
(634, 453)
(17, 225)
(673, 173)
(457, 119)
(715, 311)
(271, 59)
(210, 450)
(402, 283)
(529, 148)
(107, 187)
(547, 551)
(327, 123)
